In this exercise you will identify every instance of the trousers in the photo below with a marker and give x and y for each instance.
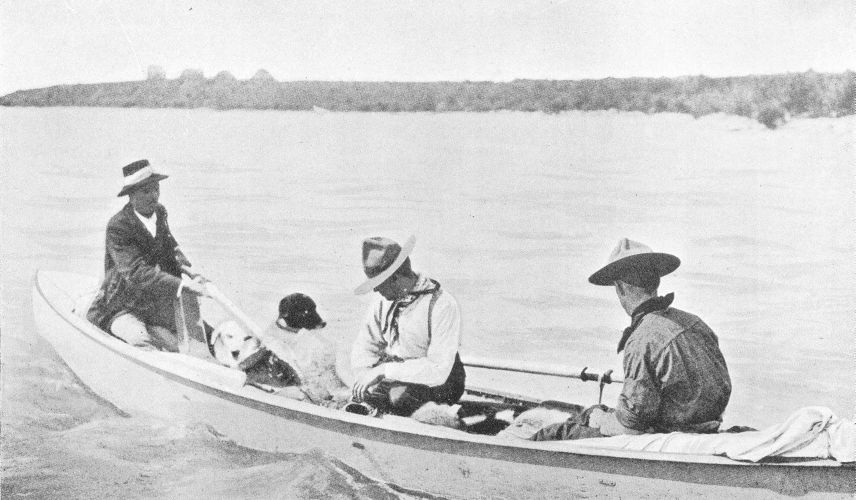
(399, 398)
(575, 427)
(160, 330)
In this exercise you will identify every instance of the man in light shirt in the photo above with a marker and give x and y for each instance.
(144, 298)
(406, 353)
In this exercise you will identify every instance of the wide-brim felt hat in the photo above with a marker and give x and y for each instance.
(138, 173)
(381, 258)
(630, 258)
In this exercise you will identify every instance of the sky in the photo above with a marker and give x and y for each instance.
(45, 43)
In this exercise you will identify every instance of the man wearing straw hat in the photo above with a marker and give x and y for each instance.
(675, 377)
(406, 352)
(144, 298)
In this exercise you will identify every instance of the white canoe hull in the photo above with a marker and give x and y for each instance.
(398, 451)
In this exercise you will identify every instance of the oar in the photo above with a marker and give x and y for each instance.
(553, 370)
(184, 334)
(282, 350)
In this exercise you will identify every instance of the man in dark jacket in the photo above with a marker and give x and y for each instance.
(675, 377)
(145, 299)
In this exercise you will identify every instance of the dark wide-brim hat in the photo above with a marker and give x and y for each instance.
(631, 258)
(381, 258)
(138, 174)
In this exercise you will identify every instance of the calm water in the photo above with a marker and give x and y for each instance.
(512, 212)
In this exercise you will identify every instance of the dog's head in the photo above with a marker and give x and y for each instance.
(233, 346)
(298, 311)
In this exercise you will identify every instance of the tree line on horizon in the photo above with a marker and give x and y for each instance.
(770, 99)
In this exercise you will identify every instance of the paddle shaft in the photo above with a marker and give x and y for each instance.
(228, 305)
(553, 370)
(181, 318)
(232, 309)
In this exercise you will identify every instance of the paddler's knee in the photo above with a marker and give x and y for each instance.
(165, 338)
(133, 331)
(404, 399)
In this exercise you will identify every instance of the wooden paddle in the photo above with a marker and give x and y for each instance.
(553, 370)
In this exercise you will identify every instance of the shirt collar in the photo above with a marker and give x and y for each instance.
(650, 305)
(423, 286)
(150, 222)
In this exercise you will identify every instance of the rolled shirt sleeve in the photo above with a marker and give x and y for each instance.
(434, 367)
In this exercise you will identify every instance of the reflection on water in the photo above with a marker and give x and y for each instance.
(512, 212)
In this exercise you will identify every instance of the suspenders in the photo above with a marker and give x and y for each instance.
(392, 314)
(434, 296)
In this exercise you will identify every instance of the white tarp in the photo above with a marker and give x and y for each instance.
(810, 432)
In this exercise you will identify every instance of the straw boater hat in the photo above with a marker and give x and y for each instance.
(381, 258)
(137, 174)
(631, 258)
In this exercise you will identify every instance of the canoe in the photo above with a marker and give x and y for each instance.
(407, 455)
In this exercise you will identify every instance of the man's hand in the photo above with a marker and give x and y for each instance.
(365, 381)
(596, 418)
(194, 286)
(181, 258)
(186, 269)
(608, 423)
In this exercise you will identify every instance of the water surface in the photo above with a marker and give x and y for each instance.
(512, 212)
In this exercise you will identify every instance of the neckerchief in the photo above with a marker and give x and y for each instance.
(650, 305)
(391, 322)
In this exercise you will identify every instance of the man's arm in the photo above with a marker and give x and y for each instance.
(182, 259)
(639, 401)
(434, 368)
(131, 265)
(367, 350)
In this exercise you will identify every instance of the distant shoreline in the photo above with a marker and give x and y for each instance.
(770, 99)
